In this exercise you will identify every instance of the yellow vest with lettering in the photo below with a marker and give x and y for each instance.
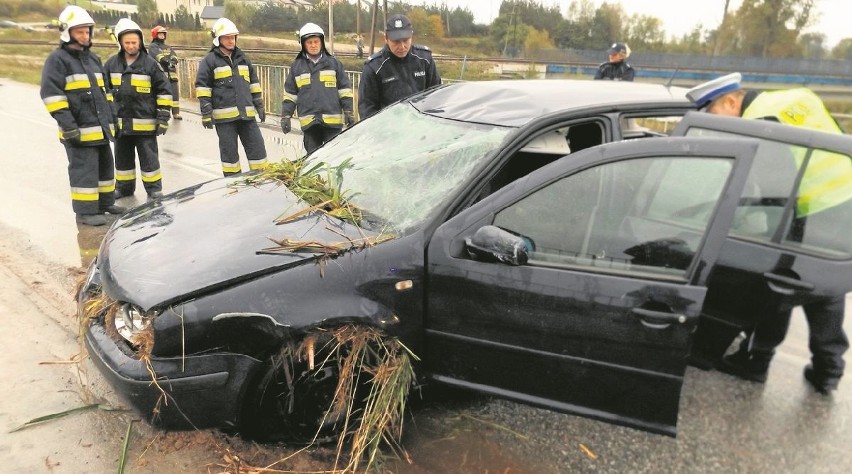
(827, 181)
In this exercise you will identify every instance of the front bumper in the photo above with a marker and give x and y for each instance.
(203, 391)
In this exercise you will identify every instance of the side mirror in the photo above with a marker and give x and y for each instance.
(493, 244)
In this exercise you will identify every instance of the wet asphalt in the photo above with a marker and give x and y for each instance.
(725, 424)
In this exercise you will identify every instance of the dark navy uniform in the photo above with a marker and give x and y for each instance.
(72, 88)
(230, 96)
(142, 95)
(620, 71)
(387, 78)
(165, 55)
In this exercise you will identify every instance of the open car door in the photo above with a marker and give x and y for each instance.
(579, 286)
(790, 240)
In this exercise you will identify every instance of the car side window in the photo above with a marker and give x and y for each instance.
(644, 215)
(820, 219)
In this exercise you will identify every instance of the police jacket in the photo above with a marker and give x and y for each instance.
(620, 71)
(73, 90)
(227, 87)
(320, 92)
(387, 78)
(141, 93)
(165, 56)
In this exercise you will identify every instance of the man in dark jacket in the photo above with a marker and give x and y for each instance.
(164, 54)
(142, 97)
(230, 96)
(616, 68)
(319, 89)
(398, 71)
(72, 89)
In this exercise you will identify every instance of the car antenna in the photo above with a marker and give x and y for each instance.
(669, 83)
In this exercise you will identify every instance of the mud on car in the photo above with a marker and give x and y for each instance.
(523, 239)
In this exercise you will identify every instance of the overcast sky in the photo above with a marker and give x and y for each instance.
(678, 16)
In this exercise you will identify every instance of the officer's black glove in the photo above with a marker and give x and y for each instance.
(162, 128)
(285, 124)
(261, 114)
(348, 118)
(207, 121)
(72, 136)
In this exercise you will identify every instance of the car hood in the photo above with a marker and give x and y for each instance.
(206, 237)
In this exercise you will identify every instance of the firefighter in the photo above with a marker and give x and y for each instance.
(319, 88)
(165, 55)
(399, 70)
(72, 88)
(142, 97)
(230, 96)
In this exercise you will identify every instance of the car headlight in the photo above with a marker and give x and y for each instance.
(130, 320)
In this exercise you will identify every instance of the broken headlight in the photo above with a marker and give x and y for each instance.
(130, 320)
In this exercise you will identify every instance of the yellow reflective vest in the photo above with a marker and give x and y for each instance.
(827, 181)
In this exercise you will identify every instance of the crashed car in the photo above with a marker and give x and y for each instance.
(556, 243)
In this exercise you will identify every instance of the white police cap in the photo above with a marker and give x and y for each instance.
(707, 92)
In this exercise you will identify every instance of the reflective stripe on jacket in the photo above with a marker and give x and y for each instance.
(141, 93)
(73, 91)
(320, 92)
(227, 87)
(164, 55)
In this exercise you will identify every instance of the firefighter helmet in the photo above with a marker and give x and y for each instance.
(157, 30)
(310, 29)
(126, 25)
(73, 16)
(223, 27)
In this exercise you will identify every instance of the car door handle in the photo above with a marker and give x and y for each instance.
(657, 319)
(786, 285)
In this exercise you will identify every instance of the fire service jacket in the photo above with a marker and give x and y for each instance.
(227, 87)
(320, 92)
(141, 93)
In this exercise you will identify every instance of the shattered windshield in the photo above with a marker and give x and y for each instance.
(404, 164)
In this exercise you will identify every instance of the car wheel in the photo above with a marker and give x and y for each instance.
(290, 402)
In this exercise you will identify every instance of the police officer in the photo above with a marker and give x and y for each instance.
(319, 88)
(616, 68)
(142, 95)
(829, 182)
(165, 55)
(72, 89)
(399, 70)
(230, 95)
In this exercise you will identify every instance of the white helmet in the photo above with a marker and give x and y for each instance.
(223, 27)
(310, 29)
(126, 25)
(73, 16)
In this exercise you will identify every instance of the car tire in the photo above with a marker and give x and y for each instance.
(289, 402)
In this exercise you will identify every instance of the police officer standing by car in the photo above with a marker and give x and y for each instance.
(319, 88)
(142, 97)
(616, 68)
(398, 71)
(230, 96)
(831, 181)
(72, 89)
(165, 55)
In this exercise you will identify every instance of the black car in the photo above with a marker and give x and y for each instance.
(514, 250)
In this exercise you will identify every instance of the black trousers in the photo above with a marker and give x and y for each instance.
(126, 149)
(175, 97)
(249, 134)
(316, 135)
(91, 175)
(827, 340)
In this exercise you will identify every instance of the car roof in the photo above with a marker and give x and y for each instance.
(514, 103)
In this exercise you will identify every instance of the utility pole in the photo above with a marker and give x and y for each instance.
(331, 26)
(373, 15)
(358, 19)
(720, 30)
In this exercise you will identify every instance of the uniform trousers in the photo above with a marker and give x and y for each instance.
(126, 149)
(249, 134)
(91, 175)
(316, 135)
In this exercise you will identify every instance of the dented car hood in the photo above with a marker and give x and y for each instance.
(207, 237)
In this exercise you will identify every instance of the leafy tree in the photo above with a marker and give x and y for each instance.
(766, 28)
(537, 40)
(843, 50)
(240, 13)
(147, 13)
(183, 19)
(644, 33)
